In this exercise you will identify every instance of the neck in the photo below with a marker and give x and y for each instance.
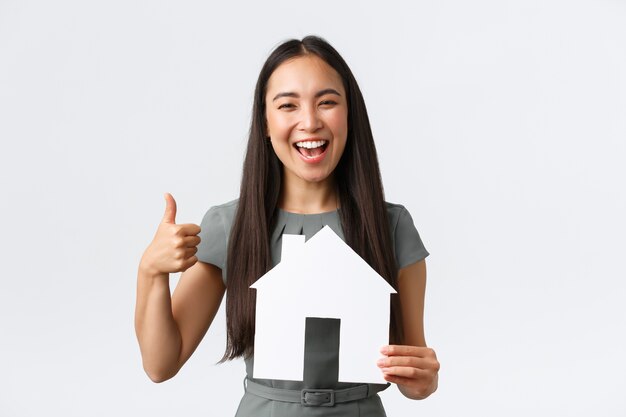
(299, 196)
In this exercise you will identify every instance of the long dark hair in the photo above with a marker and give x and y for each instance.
(363, 212)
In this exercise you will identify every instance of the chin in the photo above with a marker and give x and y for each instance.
(314, 179)
(321, 177)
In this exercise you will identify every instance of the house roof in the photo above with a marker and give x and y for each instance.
(326, 260)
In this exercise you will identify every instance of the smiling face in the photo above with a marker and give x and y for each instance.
(307, 118)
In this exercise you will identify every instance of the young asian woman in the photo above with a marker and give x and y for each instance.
(310, 161)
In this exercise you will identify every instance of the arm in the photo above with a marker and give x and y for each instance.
(170, 328)
(412, 366)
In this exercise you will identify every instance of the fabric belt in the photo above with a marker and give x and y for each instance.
(313, 397)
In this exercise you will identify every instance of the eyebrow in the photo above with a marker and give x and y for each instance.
(317, 95)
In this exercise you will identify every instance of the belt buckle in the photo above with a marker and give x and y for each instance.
(317, 397)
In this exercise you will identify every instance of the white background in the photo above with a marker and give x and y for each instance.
(501, 125)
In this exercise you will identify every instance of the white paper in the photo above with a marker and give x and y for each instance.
(324, 278)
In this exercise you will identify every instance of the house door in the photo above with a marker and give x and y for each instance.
(321, 352)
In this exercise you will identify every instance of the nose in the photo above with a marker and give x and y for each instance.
(310, 120)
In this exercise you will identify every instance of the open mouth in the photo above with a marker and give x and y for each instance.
(311, 148)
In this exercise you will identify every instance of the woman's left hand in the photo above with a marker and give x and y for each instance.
(414, 369)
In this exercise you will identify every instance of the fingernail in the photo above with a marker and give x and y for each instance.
(380, 362)
(384, 350)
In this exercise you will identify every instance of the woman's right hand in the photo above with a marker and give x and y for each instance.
(169, 327)
(174, 246)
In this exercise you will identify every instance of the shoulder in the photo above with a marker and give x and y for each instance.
(226, 209)
(222, 213)
(217, 222)
(394, 209)
(396, 213)
(406, 240)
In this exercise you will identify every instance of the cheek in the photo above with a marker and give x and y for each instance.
(278, 125)
(339, 124)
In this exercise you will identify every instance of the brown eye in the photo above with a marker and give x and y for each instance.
(286, 106)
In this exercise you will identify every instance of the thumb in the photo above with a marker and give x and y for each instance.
(170, 209)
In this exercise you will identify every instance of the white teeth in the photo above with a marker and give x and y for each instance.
(311, 144)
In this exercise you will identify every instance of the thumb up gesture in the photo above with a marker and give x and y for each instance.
(174, 246)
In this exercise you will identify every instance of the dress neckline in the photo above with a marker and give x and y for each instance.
(324, 213)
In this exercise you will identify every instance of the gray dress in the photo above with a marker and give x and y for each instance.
(408, 249)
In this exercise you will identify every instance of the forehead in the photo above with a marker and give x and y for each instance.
(304, 74)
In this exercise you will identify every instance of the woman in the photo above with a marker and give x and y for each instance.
(310, 161)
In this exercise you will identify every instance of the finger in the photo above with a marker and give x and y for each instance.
(412, 361)
(191, 241)
(395, 379)
(170, 209)
(398, 380)
(403, 350)
(406, 372)
(425, 364)
(189, 263)
(189, 252)
(189, 229)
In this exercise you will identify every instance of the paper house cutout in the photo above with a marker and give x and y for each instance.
(321, 278)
